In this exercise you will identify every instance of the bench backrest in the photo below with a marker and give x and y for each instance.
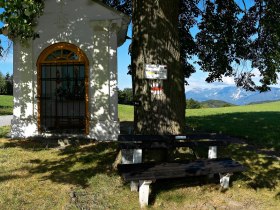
(171, 141)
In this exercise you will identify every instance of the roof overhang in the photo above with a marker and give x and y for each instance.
(125, 20)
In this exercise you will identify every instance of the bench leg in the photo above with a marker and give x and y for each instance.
(224, 180)
(132, 156)
(137, 158)
(212, 154)
(144, 191)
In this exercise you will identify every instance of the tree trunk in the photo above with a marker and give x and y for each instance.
(156, 41)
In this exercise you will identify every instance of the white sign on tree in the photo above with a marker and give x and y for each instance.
(154, 71)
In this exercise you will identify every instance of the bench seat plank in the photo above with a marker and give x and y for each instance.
(154, 171)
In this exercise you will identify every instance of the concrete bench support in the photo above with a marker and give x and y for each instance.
(132, 156)
(137, 158)
(224, 180)
(212, 152)
(144, 191)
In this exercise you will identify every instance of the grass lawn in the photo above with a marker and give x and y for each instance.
(6, 105)
(126, 113)
(40, 175)
(34, 175)
(258, 124)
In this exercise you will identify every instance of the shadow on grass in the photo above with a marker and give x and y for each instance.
(263, 171)
(9, 177)
(173, 184)
(277, 196)
(261, 155)
(259, 128)
(77, 165)
(74, 164)
(43, 143)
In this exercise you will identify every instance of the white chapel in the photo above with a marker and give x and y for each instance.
(65, 81)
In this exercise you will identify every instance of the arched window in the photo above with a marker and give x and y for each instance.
(62, 55)
(62, 89)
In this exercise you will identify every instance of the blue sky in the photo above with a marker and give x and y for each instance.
(6, 63)
(124, 80)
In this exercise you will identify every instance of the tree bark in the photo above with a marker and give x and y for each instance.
(156, 41)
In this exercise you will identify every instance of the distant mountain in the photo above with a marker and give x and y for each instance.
(233, 95)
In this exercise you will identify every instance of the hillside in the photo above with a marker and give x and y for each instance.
(215, 104)
(263, 102)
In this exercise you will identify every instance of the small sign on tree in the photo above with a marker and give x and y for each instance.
(154, 71)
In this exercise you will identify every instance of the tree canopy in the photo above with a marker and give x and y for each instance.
(225, 38)
(6, 84)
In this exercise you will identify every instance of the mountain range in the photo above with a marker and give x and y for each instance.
(233, 95)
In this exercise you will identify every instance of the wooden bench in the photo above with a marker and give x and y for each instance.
(143, 174)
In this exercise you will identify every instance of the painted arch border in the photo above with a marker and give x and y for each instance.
(83, 59)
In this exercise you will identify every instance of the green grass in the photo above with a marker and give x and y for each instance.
(39, 175)
(36, 175)
(259, 124)
(4, 131)
(33, 176)
(126, 112)
(6, 105)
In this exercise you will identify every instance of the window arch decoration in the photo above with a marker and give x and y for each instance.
(62, 53)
